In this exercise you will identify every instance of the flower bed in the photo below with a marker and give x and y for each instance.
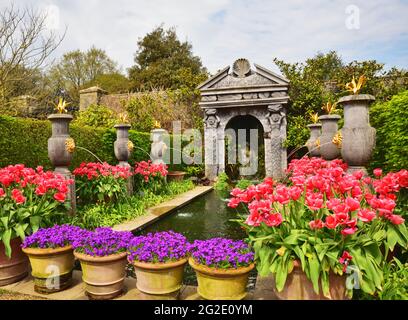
(149, 175)
(29, 199)
(326, 219)
(101, 182)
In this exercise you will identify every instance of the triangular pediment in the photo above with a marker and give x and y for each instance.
(249, 78)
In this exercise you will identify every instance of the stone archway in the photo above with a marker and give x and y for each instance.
(244, 147)
(259, 93)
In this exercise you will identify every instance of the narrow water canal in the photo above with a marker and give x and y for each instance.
(205, 217)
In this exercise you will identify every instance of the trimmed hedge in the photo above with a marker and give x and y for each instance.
(25, 141)
(391, 121)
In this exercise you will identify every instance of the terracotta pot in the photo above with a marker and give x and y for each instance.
(51, 268)
(175, 175)
(221, 284)
(16, 267)
(299, 287)
(103, 276)
(159, 278)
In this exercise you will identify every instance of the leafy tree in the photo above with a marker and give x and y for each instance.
(163, 61)
(77, 68)
(25, 47)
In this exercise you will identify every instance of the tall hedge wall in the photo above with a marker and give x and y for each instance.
(391, 121)
(25, 141)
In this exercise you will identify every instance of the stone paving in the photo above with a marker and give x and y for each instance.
(77, 291)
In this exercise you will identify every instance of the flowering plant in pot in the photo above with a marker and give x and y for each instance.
(51, 257)
(29, 199)
(102, 254)
(101, 182)
(150, 175)
(222, 267)
(159, 259)
(320, 224)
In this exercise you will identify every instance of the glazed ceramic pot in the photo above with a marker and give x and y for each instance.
(51, 268)
(16, 267)
(159, 278)
(314, 150)
(358, 136)
(221, 284)
(103, 276)
(299, 287)
(175, 175)
(328, 149)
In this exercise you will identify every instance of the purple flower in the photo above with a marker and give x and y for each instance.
(158, 247)
(54, 237)
(102, 242)
(222, 253)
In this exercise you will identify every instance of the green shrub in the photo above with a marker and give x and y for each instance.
(243, 184)
(108, 215)
(391, 121)
(222, 183)
(96, 116)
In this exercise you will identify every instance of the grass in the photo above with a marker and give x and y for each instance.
(108, 215)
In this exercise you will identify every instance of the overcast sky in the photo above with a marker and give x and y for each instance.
(224, 30)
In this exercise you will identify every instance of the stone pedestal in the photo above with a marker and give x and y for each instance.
(315, 132)
(122, 150)
(58, 154)
(328, 149)
(358, 136)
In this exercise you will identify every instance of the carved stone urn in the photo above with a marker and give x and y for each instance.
(121, 145)
(60, 150)
(315, 130)
(328, 149)
(158, 147)
(123, 148)
(358, 136)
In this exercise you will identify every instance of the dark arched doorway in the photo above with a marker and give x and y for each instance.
(244, 148)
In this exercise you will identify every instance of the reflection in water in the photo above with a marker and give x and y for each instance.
(204, 218)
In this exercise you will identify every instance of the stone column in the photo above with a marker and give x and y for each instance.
(123, 148)
(211, 142)
(358, 137)
(278, 161)
(90, 96)
(60, 153)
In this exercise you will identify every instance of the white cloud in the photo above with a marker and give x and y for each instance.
(223, 30)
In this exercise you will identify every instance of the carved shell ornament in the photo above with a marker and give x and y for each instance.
(241, 67)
